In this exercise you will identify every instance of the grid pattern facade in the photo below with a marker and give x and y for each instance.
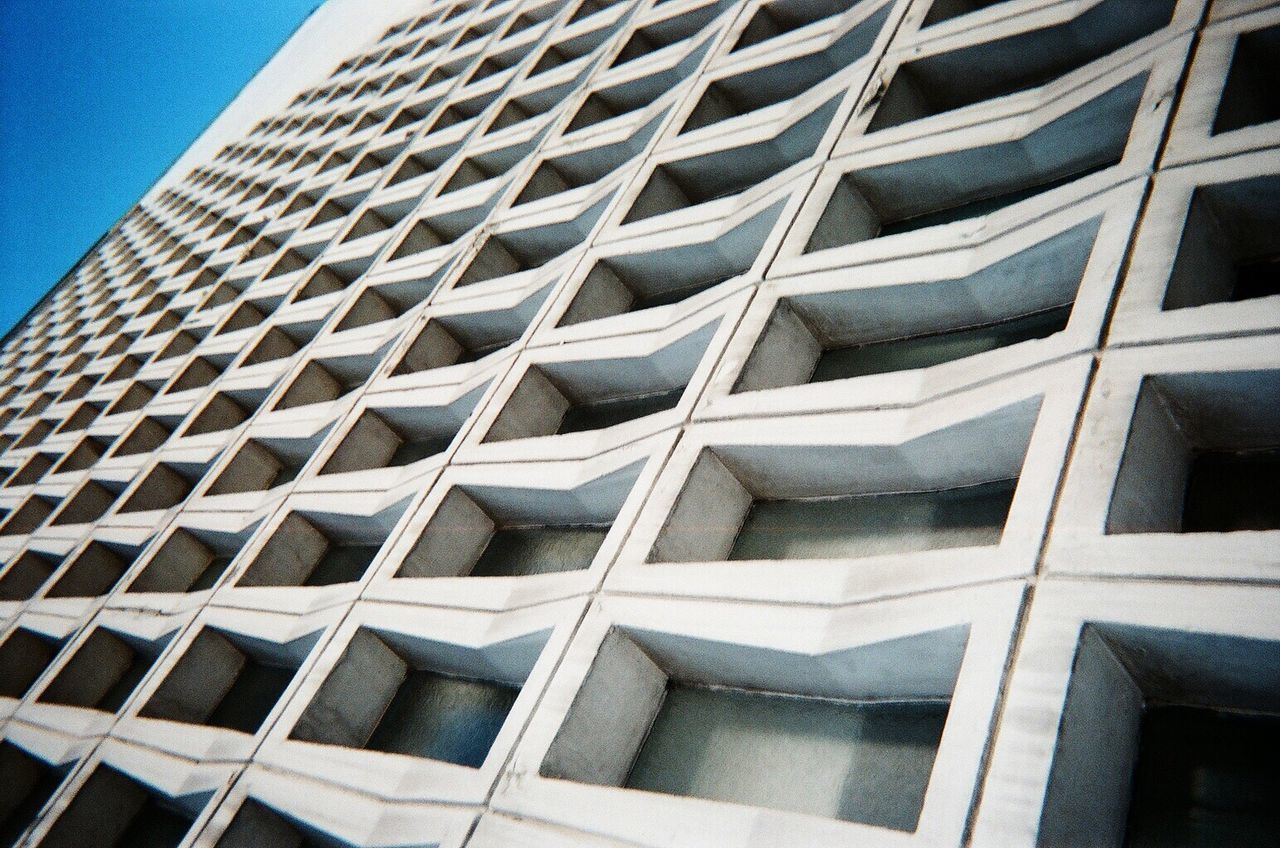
(672, 423)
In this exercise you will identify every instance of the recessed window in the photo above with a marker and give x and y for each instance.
(112, 809)
(1202, 456)
(1175, 730)
(1249, 97)
(189, 561)
(843, 735)
(227, 680)
(1230, 247)
(104, 671)
(301, 552)
(392, 698)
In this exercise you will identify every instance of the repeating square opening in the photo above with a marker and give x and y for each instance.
(779, 502)
(684, 183)
(149, 434)
(1230, 247)
(132, 399)
(200, 373)
(851, 734)
(29, 784)
(907, 196)
(224, 411)
(327, 279)
(402, 694)
(576, 170)
(624, 98)
(256, 825)
(631, 282)
(95, 571)
(83, 455)
(327, 380)
(741, 94)
(23, 657)
(437, 230)
(24, 577)
(258, 466)
(317, 549)
(525, 250)
(1175, 730)
(570, 50)
(113, 809)
(422, 163)
(553, 398)
(104, 671)
(228, 680)
(190, 560)
(946, 81)
(1202, 455)
(90, 502)
(513, 532)
(489, 165)
(168, 484)
(534, 104)
(385, 303)
(396, 436)
(783, 16)
(661, 34)
(1248, 97)
(457, 339)
(858, 332)
(33, 470)
(29, 516)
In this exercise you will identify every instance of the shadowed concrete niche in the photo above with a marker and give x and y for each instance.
(24, 655)
(524, 250)
(1230, 248)
(257, 825)
(734, 96)
(408, 695)
(1202, 456)
(95, 570)
(29, 516)
(586, 167)
(104, 670)
(265, 463)
(511, 532)
(321, 381)
(946, 81)
(630, 282)
(906, 196)
(466, 337)
(1248, 98)
(26, 574)
(438, 230)
(684, 183)
(391, 437)
(782, 16)
(850, 735)
(190, 560)
(319, 549)
(168, 484)
(29, 784)
(553, 398)
(1176, 731)
(948, 489)
(834, 335)
(626, 97)
(112, 809)
(228, 680)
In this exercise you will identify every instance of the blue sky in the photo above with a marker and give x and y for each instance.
(97, 99)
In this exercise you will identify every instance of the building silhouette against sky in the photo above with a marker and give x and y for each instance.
(669, 423)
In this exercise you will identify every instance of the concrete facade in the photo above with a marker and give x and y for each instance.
(669, 423)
